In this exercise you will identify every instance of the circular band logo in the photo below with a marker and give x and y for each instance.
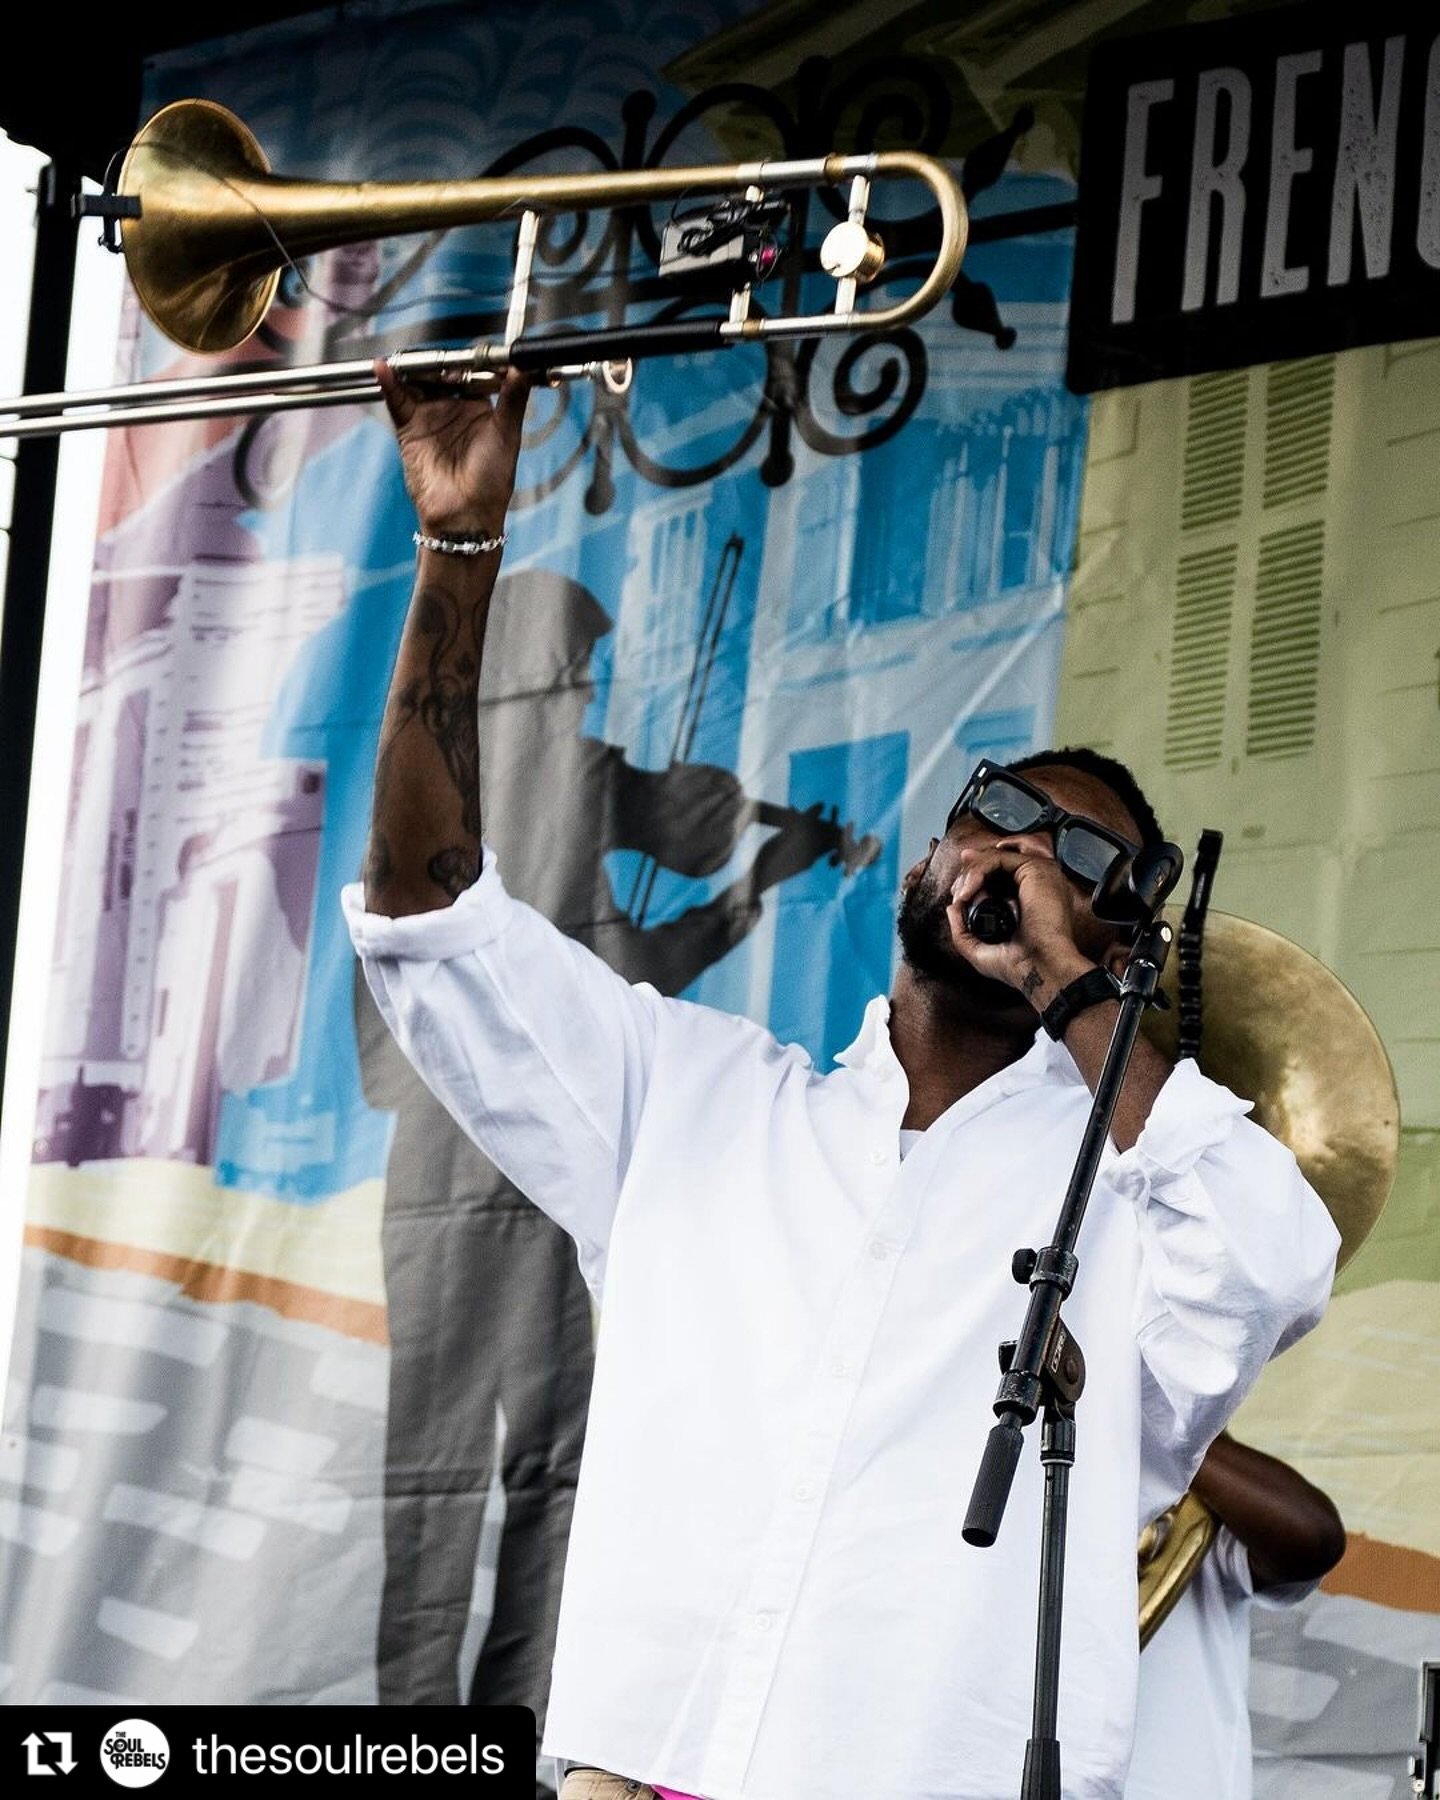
(134, 1753)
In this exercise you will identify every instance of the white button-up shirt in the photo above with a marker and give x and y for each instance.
(767, 1596)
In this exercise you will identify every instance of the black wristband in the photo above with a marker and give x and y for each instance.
(1087, 990)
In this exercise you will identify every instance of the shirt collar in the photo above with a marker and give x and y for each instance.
(871, 1050)
(871, 1047)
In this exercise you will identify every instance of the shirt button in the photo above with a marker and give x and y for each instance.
(879, 1250)
(877, 1157)
(804, 1491)
(762, 1621)
(840, 1369)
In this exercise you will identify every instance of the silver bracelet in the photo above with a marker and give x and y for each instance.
(460, 546)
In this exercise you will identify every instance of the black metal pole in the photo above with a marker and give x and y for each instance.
(22, 629)
(1042, 1753)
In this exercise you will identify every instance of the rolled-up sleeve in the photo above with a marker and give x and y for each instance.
(1237, 1259)
(540, 1052)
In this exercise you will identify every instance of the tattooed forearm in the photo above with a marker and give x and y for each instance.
(458, 458)
(1030, 983)
(425, 830)
(449, 708)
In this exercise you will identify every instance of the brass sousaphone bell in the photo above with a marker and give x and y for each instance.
(1281, 1030)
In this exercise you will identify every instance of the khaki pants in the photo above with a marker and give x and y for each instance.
(595, 1784)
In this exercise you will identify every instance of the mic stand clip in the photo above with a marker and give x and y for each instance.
(1044, 1368)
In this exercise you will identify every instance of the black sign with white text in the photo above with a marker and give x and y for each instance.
(1263, 188)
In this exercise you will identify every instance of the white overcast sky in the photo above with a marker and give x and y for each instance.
(92, 351)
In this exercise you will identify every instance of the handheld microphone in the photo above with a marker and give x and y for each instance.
(993, 916)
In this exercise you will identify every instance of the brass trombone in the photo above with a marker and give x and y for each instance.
(206, 230)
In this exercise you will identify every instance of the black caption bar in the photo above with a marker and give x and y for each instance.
(98, 1750)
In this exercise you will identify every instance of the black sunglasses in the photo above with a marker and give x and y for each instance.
(1007, 803)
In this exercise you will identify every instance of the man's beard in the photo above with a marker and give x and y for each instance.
(926, 945)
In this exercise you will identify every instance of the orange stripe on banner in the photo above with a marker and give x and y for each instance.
(1387, 1573)
(219, 1285)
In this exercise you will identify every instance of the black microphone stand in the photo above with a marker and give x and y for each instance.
(1044, 1368)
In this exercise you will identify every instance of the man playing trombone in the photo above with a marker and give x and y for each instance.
(804, 1274)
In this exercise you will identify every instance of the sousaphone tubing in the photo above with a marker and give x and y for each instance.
(1281, 1030)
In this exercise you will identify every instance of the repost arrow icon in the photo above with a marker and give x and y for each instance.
(63, 1740)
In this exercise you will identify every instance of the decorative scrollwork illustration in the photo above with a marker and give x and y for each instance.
(898, 377)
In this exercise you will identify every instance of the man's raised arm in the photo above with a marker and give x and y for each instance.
(540, 1052)
(459, 457)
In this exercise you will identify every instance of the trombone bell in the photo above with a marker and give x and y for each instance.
(1283, 1031)
(203, 264)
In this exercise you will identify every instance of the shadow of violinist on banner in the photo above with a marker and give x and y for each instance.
(490, 1322)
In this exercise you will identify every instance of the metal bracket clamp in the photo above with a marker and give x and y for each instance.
(1062, 1373)
(110, 208)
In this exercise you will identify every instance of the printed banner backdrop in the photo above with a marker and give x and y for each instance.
(802, 599)
(299, 1383)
